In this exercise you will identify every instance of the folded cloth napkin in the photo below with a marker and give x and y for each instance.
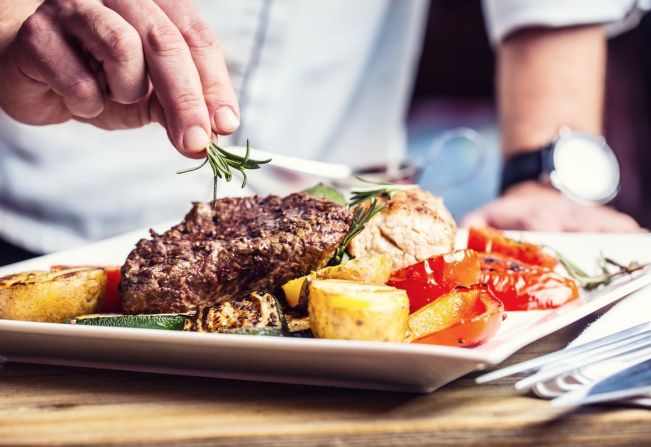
(632, 310)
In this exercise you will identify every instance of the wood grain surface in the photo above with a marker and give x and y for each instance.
(48, 406)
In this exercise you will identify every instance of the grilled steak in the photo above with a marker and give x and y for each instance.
(231, 249)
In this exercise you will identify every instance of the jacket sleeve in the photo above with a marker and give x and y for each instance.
(506, 16)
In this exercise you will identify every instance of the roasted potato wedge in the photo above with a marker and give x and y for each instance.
(54, 297)
(372, 270)
(354, 311)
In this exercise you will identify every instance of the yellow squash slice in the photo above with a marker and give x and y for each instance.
(371, 270)
(354, 311)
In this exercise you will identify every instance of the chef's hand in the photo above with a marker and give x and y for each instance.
(120, 64)
(532, 206)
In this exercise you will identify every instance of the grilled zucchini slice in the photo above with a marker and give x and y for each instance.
(172, 322)
(54, 297)
(258, 314)
(299, 326)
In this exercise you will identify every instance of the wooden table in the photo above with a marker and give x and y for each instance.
(43, 405)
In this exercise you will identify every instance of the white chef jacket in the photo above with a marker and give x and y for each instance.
(327, 80)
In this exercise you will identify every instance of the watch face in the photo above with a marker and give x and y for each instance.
(585, 168)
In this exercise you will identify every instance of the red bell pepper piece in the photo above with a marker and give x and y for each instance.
(112, 302)
(464, 317)
(490, 240)
(522, 286)
(425, 281)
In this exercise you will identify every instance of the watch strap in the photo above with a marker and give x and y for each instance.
(528, 165)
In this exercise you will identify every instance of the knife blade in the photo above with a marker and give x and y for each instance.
(632, 381)
(334, 171)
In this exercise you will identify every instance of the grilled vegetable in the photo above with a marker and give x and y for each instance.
(112, 300)
(464, 317)
(258, 314)
(262, 331)
(427, 280)
(523, 286)
(145, 321)
(490, 240)
(53, 297)
(373, 270)
(299, 326)
(354, 311)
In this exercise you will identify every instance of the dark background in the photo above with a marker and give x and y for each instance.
(458, 65)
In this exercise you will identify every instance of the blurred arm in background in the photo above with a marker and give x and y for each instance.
(550, 74)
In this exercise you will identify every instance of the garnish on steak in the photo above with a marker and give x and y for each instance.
(229, 248)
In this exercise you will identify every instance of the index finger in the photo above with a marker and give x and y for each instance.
(173, 74)
(218, 90)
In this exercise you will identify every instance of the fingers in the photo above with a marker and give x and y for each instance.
(45, 56)
(217, 88)
(173, 74)
(535, 207)
(474, 219)
(609, 220)
(114, 43)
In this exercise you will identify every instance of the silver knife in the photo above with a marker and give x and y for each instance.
(629, 382)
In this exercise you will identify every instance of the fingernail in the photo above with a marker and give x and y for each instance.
(226, 120)
(195, 139)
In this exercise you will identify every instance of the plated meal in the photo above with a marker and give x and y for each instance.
(381, 266)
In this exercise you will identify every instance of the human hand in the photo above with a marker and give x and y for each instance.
(535, 207)
(120, 64)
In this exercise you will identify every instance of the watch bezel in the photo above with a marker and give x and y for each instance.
(555, 177)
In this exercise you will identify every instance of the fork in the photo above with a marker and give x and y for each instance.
(619, 345)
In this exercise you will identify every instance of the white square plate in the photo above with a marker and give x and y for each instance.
(357, 364)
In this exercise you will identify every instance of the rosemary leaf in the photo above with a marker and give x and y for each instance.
(606, 274)
(361, 216)
(222, 162)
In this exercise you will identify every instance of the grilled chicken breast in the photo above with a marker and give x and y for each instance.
(413, 226)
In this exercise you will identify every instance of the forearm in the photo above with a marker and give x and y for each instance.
(12, 14)
(547, 79)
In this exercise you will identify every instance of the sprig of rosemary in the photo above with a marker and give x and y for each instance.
(605, 275)
(221, 161)
(361, 216)
(364, 213)
(363, 193)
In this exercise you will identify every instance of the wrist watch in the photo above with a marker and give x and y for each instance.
(580, 165)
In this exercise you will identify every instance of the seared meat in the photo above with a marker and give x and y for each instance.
(231, 249)
(415, 225)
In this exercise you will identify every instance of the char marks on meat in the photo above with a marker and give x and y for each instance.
(228, 250)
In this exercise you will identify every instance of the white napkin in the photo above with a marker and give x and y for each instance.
(633, 310)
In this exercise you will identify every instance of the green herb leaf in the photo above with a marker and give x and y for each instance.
(363, 193)
(361, 216)
(326, 192)
(221, 162)
(606, 271)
